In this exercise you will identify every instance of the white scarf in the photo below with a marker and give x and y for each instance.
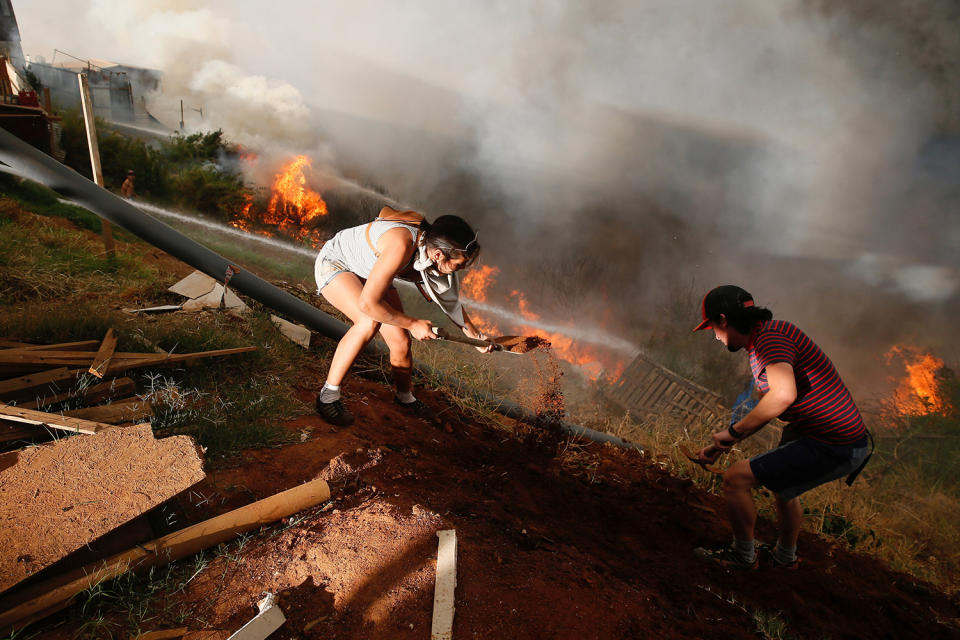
(443, 288)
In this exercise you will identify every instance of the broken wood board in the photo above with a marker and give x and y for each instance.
(149, 360)
(53, 420)
(206, 293)
(119, 359)
(219, 298)
(446, 584)
(207, 635)
(18, 386)
(294, 332)
(164, 308)
(163, 634)
(195, 285)
(133, 410)
(61, 496)
(69, 346)
(55, 594)
(104, 353)
(12, 432)
(269, 619)
(116, 388)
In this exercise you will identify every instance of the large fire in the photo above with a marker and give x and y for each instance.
(594, 362)
(291, 207)
(918, 392)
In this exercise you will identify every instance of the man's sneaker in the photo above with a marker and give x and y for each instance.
(334, 413)
(768, 559)
(418, 409)
(727, 557)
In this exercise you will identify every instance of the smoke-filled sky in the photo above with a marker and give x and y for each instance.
(808, 153)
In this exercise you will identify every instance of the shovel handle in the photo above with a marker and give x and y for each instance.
(443, 334)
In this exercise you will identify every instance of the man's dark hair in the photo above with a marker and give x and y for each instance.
(744, 319)
(452, 235)
(736, 304)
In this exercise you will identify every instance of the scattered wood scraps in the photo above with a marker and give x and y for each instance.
(61, 387)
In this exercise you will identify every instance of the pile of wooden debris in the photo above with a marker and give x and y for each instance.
(60, 499)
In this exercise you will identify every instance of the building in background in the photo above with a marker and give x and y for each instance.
(117, 91)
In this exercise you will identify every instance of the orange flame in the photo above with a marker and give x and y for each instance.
(476, 286)
(478, 280)
(291, 208)
(293, 203)
(918, 393)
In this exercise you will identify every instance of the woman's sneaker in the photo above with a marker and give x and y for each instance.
(334, 413)
(418, 409)
(727, 557)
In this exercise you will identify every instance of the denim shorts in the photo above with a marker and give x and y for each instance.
(801, 464)
(326, 269)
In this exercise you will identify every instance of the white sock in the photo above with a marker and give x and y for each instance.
(746, 549)
(784, 555)
(329, 393)
(406, 397)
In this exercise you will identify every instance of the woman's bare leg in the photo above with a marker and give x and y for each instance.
(398, 341)
(343, 292)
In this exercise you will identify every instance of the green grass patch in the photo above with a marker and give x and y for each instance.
(38, 199)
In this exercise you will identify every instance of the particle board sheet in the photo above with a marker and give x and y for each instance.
(57, 497)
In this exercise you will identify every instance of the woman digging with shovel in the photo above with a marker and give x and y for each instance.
(355, 272)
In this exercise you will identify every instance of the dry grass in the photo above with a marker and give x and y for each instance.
(900, 518)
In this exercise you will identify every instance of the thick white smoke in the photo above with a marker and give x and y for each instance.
(772, 128)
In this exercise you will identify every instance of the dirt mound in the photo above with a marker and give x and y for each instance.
(590, 542)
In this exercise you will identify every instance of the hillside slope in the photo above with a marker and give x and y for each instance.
(556, 539)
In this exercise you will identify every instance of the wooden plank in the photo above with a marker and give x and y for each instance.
(163, 634)
(169, 548)
(269, 619)
(11, 432)
(446, 584)
(17, 386)
(86, 107)
(56, 421)
(118, 388)
(63, 346)
(165, 308)
(177, 358)
(67, 358)
(114, 413)
(293, 332)
(195, 285)
(104, 353)
(63, 358)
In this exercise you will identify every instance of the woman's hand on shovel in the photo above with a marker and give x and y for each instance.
(422, 330)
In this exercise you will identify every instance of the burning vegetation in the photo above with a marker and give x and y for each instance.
(292, 210)
(920, 391)
(592, 361)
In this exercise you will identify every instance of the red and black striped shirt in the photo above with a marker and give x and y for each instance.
(824, 409)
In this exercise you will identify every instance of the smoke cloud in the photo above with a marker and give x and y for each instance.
(794, 147)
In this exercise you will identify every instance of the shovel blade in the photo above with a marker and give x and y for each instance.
(521, 344)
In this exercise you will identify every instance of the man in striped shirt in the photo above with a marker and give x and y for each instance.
(825, 439)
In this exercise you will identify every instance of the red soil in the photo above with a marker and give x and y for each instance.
(592, 542)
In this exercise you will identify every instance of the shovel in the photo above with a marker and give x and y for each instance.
(516, 345)
(692, 457)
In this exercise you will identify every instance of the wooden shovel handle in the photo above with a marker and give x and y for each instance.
(443, 334)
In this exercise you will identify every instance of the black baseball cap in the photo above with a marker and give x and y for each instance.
(726, 299)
